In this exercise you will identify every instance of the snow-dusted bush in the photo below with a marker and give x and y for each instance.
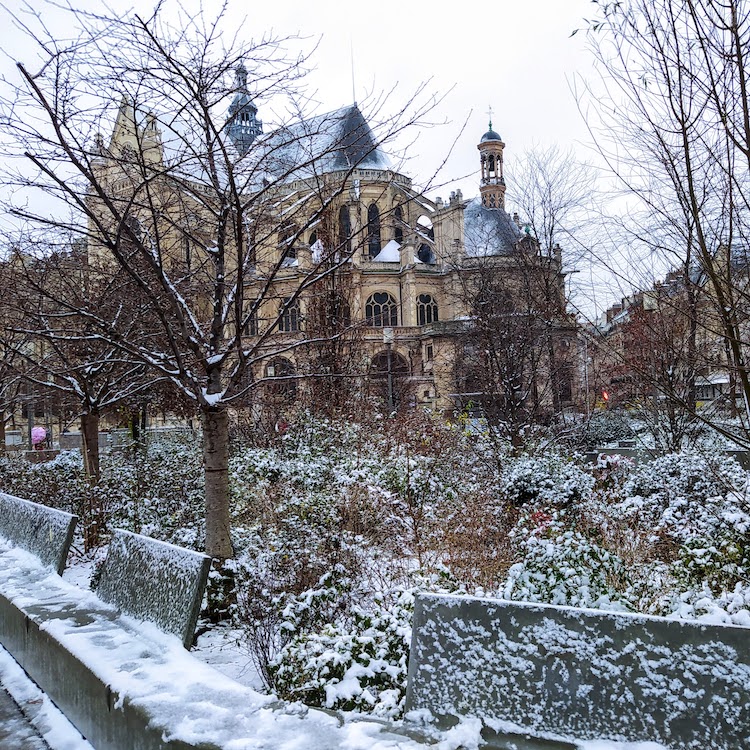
(564, 567)
(549, 481)
(356, 663)
(662, 490)
(697, 503)
(160, 490)
(157, 491)
(603, 427)
(729, 607)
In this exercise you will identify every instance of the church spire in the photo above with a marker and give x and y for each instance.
(492, 186)
(243, 125)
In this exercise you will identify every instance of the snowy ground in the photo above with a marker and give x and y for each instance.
(42, 714)
(221, 647)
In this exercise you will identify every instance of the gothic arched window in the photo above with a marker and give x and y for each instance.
(427, 310)
(345, 230)
(373, 229)
(289, 320)
(381, 310)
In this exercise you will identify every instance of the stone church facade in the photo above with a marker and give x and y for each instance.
(410, 281)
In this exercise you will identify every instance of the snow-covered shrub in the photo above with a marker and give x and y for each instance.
(60, 483)
(157, 491)
(564, 567)
(729, 607)
(697, 503)
(668, 486)
(356, 664)
(160, 490)
(548, 481)
(611, 472)
(715, 536)
(602, 428)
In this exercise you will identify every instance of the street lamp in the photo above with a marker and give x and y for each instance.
(388, 341)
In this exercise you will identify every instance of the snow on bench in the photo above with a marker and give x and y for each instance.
(45, 532)
(126, 685)
(578, 673)
(155, 581)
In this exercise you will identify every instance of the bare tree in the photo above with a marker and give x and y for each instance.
(671, 116)
(202, 213)
(10, 343)
(519, 341)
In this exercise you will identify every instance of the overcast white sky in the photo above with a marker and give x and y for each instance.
(517, 57)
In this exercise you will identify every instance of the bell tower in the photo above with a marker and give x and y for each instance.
(492, 186)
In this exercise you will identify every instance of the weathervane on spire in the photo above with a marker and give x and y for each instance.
(489, 113)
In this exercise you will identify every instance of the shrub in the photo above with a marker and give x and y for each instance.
(566, 568)
(548, 481)
(356, 664)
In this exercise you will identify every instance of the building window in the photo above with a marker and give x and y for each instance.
(289, 319)
(425, 254)
(398, 232)
(381, 310)
(250, 328)
(282, 383)
(427, 310)
(345, 230)
(287, 236)
(373, 229)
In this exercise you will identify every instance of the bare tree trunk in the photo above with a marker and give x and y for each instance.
(90, 447)
(2, 430)
(216, 462)
(94, 524)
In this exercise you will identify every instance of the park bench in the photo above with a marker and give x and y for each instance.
(561, 672)
(74, 644)
(155, 581)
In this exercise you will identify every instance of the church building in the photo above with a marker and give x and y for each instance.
(359, 284)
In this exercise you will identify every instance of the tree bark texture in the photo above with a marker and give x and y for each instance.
(90, 438)
(93, 524)
(216, 466)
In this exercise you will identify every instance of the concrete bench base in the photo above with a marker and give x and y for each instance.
(106, 718)
(581, 673)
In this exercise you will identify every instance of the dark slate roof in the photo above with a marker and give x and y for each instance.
(490, 135)
(489, 231)
(326, 143)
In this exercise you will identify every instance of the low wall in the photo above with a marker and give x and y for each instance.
(127, 686)
(641, 455)
(155, 581)
(581, 673)
(45, 532)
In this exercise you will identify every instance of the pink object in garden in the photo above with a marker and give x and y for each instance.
(38, 435)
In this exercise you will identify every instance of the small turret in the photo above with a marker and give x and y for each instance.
(243, 125)
(492, 186)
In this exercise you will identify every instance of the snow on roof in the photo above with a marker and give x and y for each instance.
(489, 231)
(391, 253)
(334, 141)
